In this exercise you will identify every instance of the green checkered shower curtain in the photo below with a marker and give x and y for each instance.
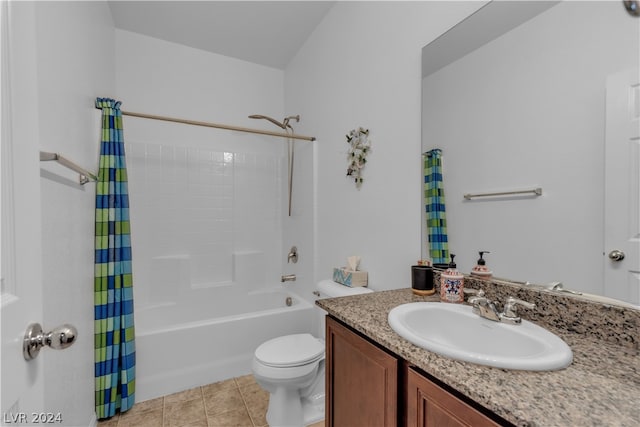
(434, 207)
(115, 353)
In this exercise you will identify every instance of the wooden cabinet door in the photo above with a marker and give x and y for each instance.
(362, 381)
(428, 405)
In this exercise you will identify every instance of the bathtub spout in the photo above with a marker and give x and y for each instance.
(288, 278)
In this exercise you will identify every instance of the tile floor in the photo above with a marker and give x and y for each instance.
(238, 402)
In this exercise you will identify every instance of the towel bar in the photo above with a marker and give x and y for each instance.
(85, 175)
(534, 191)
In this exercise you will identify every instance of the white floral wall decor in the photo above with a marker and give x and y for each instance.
(359, 147)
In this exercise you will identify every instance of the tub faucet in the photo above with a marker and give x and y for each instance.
(292, 256)
(288, 278)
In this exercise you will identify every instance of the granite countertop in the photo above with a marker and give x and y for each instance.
(600, 388)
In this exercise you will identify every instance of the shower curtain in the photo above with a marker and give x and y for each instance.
(115, 353)
(434, 207)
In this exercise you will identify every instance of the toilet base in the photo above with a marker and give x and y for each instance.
(313, 409)
(296, 391)
(289, 414)
(295, 406)
(285, 408)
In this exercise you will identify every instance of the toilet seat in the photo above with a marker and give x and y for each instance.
(290, 351)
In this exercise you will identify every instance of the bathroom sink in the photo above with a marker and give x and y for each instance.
(454, 331)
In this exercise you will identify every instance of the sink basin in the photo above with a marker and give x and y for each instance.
(454, 331)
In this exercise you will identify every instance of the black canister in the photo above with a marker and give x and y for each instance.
(422, 280)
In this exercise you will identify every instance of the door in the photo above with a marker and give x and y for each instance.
(21, 391)
(622, 187)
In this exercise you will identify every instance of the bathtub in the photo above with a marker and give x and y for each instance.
(210, 335)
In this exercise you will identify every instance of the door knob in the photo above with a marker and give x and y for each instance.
(58, 339)
(616, 255)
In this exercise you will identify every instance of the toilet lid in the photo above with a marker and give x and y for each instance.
(290, 350)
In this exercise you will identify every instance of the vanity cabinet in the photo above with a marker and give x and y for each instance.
(369, 386)
(361, 381)
(429, 405)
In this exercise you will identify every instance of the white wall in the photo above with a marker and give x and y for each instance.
(201, 198)
(528, 110)
(158, 77)
(75, 53)
(361, 67)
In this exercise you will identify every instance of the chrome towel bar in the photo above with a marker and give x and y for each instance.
(85, 175)
(533, 191)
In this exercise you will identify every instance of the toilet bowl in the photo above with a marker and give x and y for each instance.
(291, 368)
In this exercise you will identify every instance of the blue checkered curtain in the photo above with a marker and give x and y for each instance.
(434, 207)
(115, 352)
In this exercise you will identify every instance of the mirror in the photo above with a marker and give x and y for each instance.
(515, 96)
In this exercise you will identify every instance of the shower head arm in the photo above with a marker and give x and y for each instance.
(285, 123)
(274, 121)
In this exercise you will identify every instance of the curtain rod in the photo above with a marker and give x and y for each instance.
(216, 125)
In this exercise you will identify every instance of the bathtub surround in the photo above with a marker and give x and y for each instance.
(115, 348)
(208, 218)
(248, 269)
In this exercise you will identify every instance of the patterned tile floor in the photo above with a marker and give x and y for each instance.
(239, 402)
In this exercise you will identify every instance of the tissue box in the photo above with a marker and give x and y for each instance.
(350, 278)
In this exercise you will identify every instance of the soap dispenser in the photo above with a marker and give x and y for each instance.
(452, 284)
(481, 271)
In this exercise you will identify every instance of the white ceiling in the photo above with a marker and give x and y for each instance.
(263, 32)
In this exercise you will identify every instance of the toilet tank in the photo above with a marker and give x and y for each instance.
(331, 289)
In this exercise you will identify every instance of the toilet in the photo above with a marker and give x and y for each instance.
(291, 369)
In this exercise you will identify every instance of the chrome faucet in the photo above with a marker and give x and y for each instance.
(478, 295)
(288, 278)
(484, 307)
(559, 287)
(510, 314)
